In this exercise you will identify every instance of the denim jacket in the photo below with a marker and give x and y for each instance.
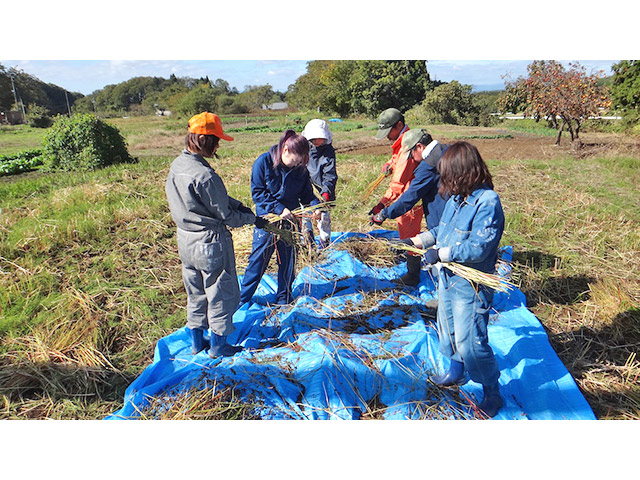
(274, 189)
(470, 230)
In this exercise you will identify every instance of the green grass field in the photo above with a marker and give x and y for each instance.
(90, 276)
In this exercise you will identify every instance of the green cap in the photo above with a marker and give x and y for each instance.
(386, 121)
(410, 139)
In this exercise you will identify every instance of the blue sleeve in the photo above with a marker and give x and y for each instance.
(329, 173)
(307, 197)
(425, 181)
(265, 201)
(486, 231)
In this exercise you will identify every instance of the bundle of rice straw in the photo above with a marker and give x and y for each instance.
(288, 235)
(372, 186)
(292, 236)
(495, 282)
(301, 211)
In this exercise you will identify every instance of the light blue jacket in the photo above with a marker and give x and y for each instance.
(469, 231)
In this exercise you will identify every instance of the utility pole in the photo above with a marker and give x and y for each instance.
(15, 96)
(68, 108)
(13, 89)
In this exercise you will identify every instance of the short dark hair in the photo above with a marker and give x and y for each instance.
(462, 170)
(425, 139)
(297, 145)
(204, 145)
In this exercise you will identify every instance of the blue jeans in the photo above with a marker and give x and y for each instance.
(264, 245)
(463, 315)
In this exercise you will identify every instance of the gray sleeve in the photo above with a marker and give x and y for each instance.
(214, 195)
(427, 239)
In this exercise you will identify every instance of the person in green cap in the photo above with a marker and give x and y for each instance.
(391, 124)
(420, 146)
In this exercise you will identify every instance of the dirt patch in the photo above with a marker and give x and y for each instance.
(364, 146)
(518, 147)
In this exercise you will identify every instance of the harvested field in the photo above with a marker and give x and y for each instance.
(90, 277)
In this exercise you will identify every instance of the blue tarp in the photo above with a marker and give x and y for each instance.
(316, 360)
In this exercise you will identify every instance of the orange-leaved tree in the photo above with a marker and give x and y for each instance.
(565, 97)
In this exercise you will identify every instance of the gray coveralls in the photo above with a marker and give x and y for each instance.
(202, 211)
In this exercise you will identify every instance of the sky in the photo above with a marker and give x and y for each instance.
(83, 47)
(86, 76)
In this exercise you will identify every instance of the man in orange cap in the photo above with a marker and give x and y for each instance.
(203, 213)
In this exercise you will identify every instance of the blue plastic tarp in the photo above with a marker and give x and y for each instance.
(315, 360)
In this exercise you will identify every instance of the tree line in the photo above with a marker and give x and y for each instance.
(18, 89)
(564, 97)
(181, 95)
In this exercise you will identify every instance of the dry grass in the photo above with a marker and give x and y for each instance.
(369, 250)
(211, 402)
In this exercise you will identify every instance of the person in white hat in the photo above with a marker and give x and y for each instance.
(322, 170)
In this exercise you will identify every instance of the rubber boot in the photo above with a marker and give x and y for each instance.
(198, 343)
(220, 346)
(454, 376)
(412, 277)
(492, 401)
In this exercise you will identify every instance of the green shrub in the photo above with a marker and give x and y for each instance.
(83, 142)
(38, 117)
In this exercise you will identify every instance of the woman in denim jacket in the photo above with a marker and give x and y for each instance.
(469, 233)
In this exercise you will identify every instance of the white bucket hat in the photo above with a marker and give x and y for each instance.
(317, 128)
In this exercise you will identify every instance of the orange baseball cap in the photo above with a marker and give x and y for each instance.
(206, 123)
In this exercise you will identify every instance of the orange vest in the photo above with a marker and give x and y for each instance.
(403, 172)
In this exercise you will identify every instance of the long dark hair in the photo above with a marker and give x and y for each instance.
(462, 170)
(201, 144)
(297, 145)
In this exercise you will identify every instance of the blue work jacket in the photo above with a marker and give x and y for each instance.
(274, 189)
(470, 230)
(322, 169)
(423, 186)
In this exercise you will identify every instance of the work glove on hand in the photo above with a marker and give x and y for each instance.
(403, 241)
(432, 257)
(378, 218)
(376, 209)
(325, 196)
(397, 242)
(386, 169)
(261, 222)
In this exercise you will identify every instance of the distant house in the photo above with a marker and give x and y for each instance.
(276, 106)
(11, 117)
